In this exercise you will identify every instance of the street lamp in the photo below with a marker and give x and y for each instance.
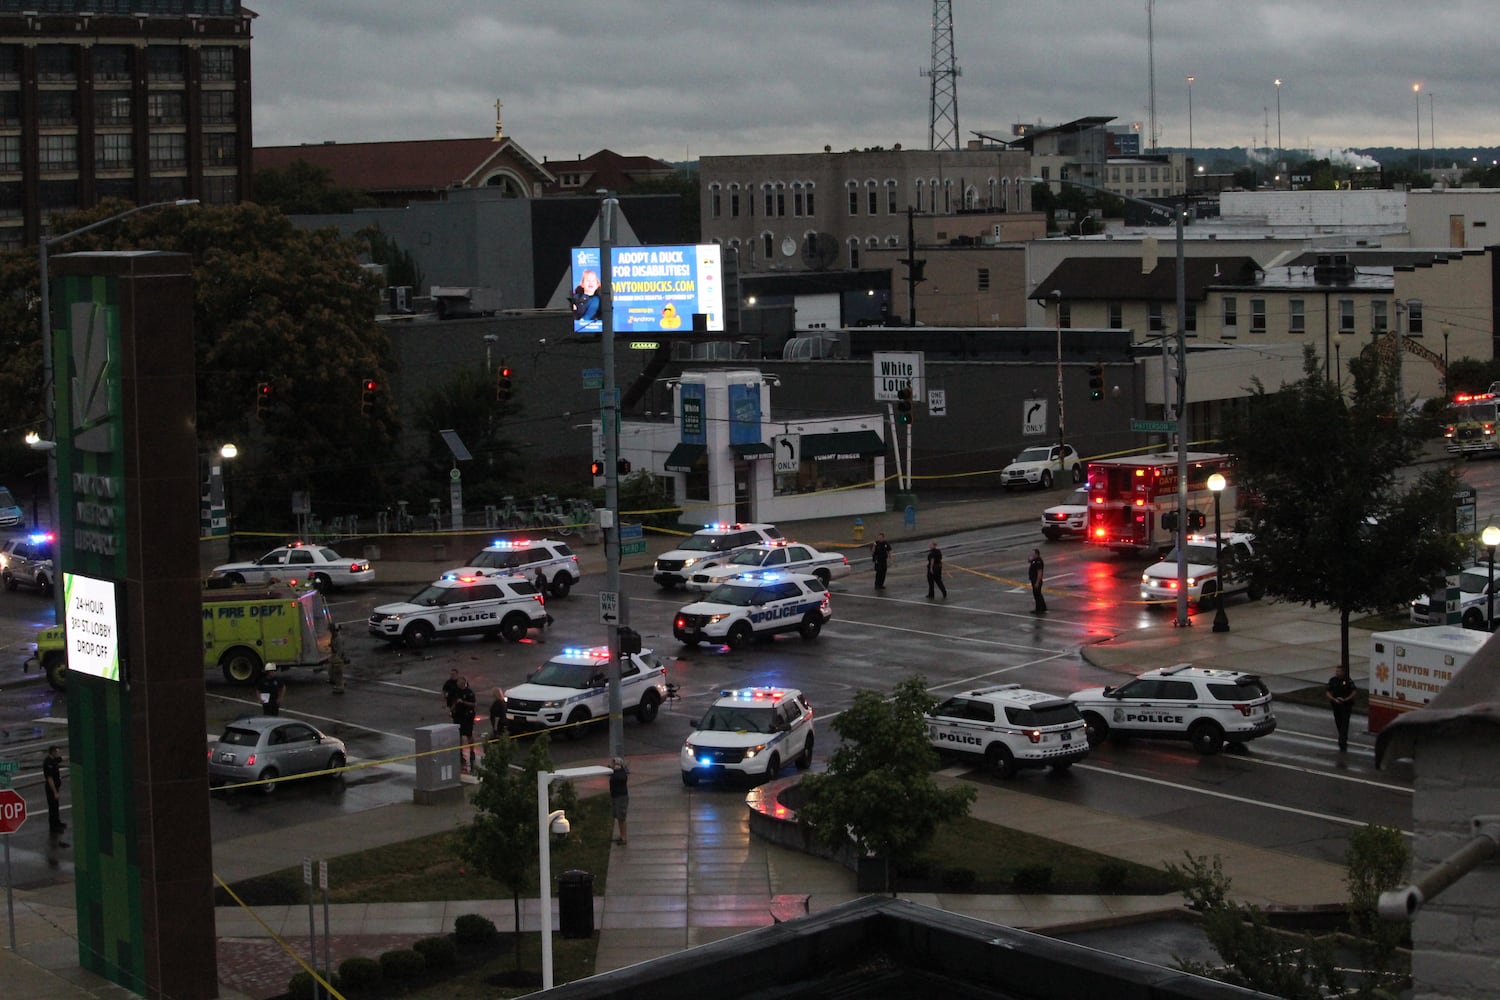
(1278, 124)
(49, 386)
(544, 821)
(1490, 538)
(227, 453)
(1190, 124)
(1416, 92)
(1182, 620)
(1216, 484)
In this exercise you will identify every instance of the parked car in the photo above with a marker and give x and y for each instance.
(779, 557)
(1159, 581)
(27, 561)
(1068, 518)
(298, 560)
(1041, 465)
(750, 733)
(268, 747)
(11, 514)
(1204, 706)
(1473, 601)
(523, 557)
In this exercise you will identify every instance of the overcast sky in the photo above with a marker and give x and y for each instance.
(678, 80)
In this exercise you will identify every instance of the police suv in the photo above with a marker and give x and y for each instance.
(1206, 707)
(524, 557)
(462, 605)
(1010, 727)
(572, 690)
(754, 605)
(709, 546)
(780, 556)
(751, 732)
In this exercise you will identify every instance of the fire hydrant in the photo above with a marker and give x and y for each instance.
(859, 529)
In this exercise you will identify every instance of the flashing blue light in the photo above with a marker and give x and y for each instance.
(44, 536)
(589, 652)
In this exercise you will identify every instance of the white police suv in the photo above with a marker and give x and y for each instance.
(1010, 727)
(525, 557)
(572, 690)
(462, 605)
(1204, 706)
(756, 604)
(708, 546)
(751, 732)
(1159, 581)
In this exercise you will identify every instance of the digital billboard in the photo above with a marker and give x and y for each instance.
(654, 289)
(93, 626)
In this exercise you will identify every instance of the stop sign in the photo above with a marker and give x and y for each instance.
(12, 810)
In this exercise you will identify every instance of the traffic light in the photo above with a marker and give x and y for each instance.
(596, 468)
(1169, 520)
(630, 640)
(262, 399)
(903, 404)
(622, 466)
(368, 388)
(1196, 520)
(502, 384)
(1096, 382)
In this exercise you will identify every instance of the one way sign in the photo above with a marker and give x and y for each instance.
(609, 607)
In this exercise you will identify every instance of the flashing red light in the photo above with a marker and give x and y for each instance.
(1034, 735)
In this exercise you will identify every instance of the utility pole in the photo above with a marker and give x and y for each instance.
(914, 268)
(609, 424)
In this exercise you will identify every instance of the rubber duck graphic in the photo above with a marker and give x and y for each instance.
(669, 318)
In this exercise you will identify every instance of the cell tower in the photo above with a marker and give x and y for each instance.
(1154, 136)
(942, 101)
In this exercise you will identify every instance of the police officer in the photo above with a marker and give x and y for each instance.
(272, 690)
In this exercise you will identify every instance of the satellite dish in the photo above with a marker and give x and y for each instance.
(820, 250)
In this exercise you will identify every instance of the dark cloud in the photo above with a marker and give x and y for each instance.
(676, 79)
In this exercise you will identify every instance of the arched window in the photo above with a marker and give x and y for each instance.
(768, 250)
(872, 198)
(971, 197)
(991, 191)
(769, 191)
(947, 196)
(799, 207)
(734, 201)
(891, 187)
(808, 192)
(921, 187)
(853, 187)
(854, 253)
(715, 200)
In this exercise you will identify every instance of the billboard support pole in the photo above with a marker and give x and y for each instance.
(609, 407)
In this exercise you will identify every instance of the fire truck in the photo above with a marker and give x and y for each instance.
(1133, 500)
(1471, 428)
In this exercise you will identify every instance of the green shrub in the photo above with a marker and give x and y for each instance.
(301, 985)
(960, 879)
(402, 963)
(439, 952)
(1112, 875)
(472, 928)
(359, 972)
(1032, 878)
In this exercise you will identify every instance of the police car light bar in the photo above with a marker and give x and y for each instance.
(590, 652)
(511, 543)
(721, 526)
(754, 694)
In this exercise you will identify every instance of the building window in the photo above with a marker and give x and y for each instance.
(1257, 315)
(1190, 324)
(59, 152)
(1153, 317)
(921, 186)
(984, 279)
(1379, 321)
(1065, 315)
(767, 248)
(872, 198)
(217, 63)
(122, 188)
(111, 63)
(812, 209)
(164, 107)
(799, 207)
(947, 197)
(165, 64)
(57, 107)
(56, 63)
(765, 190)
(168, 150)
(854, 253)
(10, 107)
(218, 107)
(780, 200)
(1414, 317)
(1296, 316)
(734, 201)
(220, 149)
(111, 107)
(1346, 315)
(166, 188)
(58, 196)
(113, 151)
(10, 153)
(1231, 313)
(715, 201)
(853, 198)
(10, 200)
(891, 187)
(10, 62)
(220, 190)
(1116, 313)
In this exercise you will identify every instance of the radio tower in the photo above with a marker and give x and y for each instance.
(942, 101)
(1154, 136)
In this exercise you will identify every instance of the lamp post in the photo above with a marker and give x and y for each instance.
(1278, 125)
(1416, 92)
(1182, 620)
(1216, 484)
(228, 452)
(1490, 538)
(49, 386)
(544, 821)
(1190, 126)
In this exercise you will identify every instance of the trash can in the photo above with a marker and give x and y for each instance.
(575, 903)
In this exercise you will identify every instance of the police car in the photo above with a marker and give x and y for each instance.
(462, 605)
(1010, 727)
(300, 561)
(755, 605)
(572, 690)
(1068, 517)
(1206, 707)
(524, 557)
(709, 546)
(752, 732)
(781, 556)
(1159, 581)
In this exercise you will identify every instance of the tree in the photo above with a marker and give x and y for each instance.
(272, 303)
(466, 404)
(1338, 516)
(303, 189)
(1377, 860)
(878, 788)
(500, 842)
